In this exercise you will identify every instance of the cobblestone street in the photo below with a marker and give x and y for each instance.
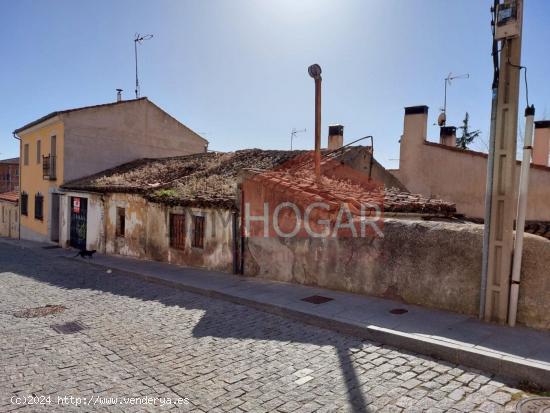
(143, 339)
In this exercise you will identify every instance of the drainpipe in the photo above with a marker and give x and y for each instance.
(522, 210)
(243, 235)
(20, 170)
(235, 226)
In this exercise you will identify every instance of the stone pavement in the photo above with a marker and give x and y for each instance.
(519, 353)
(142, 339)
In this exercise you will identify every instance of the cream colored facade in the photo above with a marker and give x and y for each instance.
(86, 141)
(459, 176)
(50, 134)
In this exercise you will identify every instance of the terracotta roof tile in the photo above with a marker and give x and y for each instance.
(10, 196)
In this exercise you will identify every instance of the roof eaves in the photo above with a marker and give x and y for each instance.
(61, 112)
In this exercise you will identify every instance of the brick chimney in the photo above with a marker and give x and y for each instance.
(335, 137)
(541, 146)
(447, 136)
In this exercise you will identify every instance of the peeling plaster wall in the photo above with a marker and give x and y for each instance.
(147, 234)
(433, 264)
(9, 219)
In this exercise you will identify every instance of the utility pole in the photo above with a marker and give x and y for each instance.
(509, 15)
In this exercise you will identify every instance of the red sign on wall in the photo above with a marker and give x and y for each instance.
(76, 205)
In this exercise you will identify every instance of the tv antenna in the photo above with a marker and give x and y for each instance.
(138, 38)
(442, 119)
(294, 133)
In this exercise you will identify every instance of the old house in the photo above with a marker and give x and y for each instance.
(182, 210)
(9, 175)
(69, 144)
(9, 214)
(443, 171)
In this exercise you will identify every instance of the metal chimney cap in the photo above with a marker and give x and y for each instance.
(336, 130)
(447, 131)
(315, 71)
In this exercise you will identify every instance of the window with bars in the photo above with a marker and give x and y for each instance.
(198, 231)
(120, 221)
(24, 203)
(177, 231)
(39, 206)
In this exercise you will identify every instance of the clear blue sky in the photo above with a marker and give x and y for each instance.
(236, 70)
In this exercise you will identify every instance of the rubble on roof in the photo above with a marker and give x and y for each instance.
(198, 179)
(302, 185)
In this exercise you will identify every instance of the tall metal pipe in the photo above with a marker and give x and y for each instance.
(315, 72)
(522, 211)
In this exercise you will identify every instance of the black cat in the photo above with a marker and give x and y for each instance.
(85, 253)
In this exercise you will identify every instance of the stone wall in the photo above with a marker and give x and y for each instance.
(432, 264)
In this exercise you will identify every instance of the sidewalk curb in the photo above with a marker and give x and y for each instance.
(505, 365)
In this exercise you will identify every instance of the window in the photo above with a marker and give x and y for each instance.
(120, 221)
(38, 151)
(26, 154)
(53, 145)
(3, 214)
(38, 206)
(198, 232)
(24, 203)
(177, 231)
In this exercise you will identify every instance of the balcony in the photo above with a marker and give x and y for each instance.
(48, 167)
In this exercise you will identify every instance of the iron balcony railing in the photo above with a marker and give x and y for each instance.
(48, 167)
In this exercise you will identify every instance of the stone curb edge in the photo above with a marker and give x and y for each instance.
(504, 365)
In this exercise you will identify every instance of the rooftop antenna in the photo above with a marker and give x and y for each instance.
(442, 119)
(294, 133)
(138, 38)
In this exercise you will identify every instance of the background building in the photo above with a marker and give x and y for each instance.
(69, 144)
(9, 175)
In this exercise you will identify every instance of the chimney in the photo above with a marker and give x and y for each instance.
(335, 137)
(541, 146)
(119, 95)
(415, 132)
(447, 136)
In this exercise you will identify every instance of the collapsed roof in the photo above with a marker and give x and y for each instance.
(203, 179)
(210, 180)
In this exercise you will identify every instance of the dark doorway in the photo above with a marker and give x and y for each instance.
(79, 209)
(54, 234)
